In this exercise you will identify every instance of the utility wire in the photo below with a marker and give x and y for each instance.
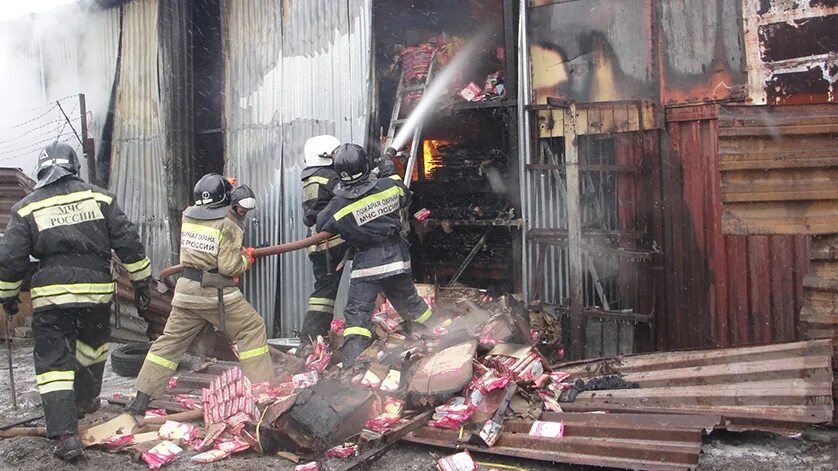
(68, 121)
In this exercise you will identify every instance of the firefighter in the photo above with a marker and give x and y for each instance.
(71, 227)
(212, 259)
(319, 180)
(365, 212)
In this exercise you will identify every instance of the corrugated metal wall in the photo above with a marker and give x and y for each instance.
(720, 290)
(138, 160)
(293, 69)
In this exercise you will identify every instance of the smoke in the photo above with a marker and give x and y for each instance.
(439, 86)
(53, 55)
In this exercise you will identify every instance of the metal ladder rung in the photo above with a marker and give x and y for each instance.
(413, 88)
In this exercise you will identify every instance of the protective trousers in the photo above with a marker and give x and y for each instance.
(70, 353)
(402, 294)
(243, 326)
(321, 303)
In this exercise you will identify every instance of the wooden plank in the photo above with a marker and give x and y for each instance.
(683, 359)
(807, 414)
(780, 218)
(737, 249)
(759, 279)
(574, 230)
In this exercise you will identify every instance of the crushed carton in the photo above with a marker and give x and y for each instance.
(163, 453)
(178, 432)
(347, 450)
(457, 462)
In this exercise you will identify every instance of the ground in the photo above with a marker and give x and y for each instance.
(815, 450)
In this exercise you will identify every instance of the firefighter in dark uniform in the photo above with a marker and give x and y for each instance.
(213, 258)
(71, 227)
(319, 180)
(365, 212)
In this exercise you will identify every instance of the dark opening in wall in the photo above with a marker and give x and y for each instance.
(208, 88)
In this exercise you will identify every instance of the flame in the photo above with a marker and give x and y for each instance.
(429, 153)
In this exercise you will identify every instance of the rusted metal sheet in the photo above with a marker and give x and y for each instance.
(720, 290)
(593, 51)
(779, 169)
(14, 185)
(791, 51)
(701, 52)
(630, 441)
(780, 387)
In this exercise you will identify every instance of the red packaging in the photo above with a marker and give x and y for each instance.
(213, 433)
(422, 214)
(490, 432)
(188, 401)
(172, 382)
(471, 92)
(383, 422)
(337, 326)
(307, 467)
(232, 446)
(236, 423)
(210, 456)
(393, 406)
(155, 413)
(163, 453)
(342, 451)
(118, 440)
(304, 380)
(459, 462)
(178, 432)
(547, 429)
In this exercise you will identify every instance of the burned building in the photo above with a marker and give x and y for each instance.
(595, 157)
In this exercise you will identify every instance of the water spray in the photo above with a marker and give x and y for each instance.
(436, 89)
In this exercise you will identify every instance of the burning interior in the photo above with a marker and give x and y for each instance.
(464, 215)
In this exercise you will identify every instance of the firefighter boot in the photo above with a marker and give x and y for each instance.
(352, 348)
(68, 447)
(84, 408)
(139, 405)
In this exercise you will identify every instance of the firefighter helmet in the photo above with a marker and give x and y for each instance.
(351, 163)
(318, 150)
(212, 196)
(56, 161)
(243, 197)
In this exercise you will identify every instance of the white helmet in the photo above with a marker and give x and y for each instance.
(318, 150)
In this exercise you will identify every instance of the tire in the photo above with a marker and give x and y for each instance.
(126, 360)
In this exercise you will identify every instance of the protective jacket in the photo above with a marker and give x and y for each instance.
(209, 245)
(371, 224)
(318, 189)
(71, 227)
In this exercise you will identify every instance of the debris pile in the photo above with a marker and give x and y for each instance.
(481, 379)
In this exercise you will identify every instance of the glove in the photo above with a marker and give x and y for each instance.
(142, 294)
(248, 252)
(385, 164)
(10, 305)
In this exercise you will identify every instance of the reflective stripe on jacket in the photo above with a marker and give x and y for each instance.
(71, 227)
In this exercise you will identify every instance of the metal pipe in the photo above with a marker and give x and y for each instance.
(524, 137)
(261, 252)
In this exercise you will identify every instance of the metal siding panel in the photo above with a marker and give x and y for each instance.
(752, 285)
(138, 160)
(293, 69)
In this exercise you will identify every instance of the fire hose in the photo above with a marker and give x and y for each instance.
(260, 252)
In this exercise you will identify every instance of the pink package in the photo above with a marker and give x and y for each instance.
(471, 92)
(155, 413)
(116, 441)
(312, 466)
(178, 432)
(383, 422)
(232, 446)
(422, 214)
(210, 456)
(236, 423)
(342, 451)
(213, 434)
(337, 326)
(458, 462)
(172, 382)
(547, 429)
(304, 380)
(163, 453)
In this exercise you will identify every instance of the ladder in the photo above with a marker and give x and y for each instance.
(397, 122)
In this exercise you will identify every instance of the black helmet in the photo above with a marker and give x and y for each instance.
(243, 197)
(351, 163)
(212, 196)
(56, 161)
(212, 191)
